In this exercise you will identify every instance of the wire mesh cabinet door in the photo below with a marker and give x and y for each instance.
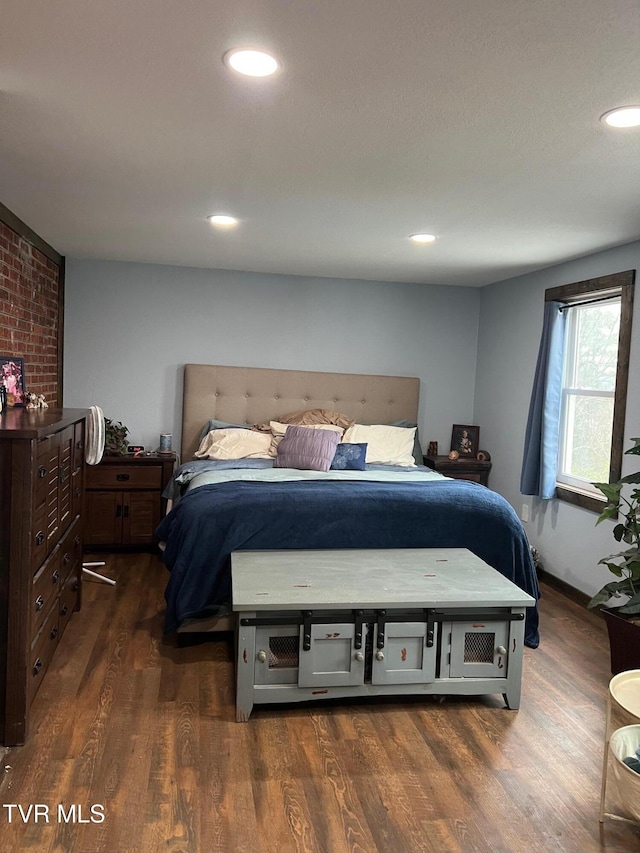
(333, 660)
(277, 654)
(478, 650)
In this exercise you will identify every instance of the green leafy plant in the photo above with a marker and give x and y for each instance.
(626, 564)
(115, 438)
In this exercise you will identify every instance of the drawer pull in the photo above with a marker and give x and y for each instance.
(75, 587)
(42, 472)
(118, 511)
(76, 541)
(122, 477)
(55, 577)
(65, 610)
(78, 492)
(66, 558)
(37, 666)
(39, 603)
(54, 633)
(79, 445)
(39, 537)
(125, 512)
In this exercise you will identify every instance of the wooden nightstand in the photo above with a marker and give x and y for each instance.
(124, 502)
(460, 469)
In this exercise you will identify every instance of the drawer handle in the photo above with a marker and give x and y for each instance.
(118, 511)
(122, 477)
(37, 667)
(54, 633)
(39, 537)
(39, 603)
(79, 445)
(76, 541)
(66, 558)
(75, 587)
(42, 472)
(64, 610)
(78, 492)
(125, 512)
(55, 577)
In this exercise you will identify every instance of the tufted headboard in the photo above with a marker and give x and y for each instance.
(256, 394)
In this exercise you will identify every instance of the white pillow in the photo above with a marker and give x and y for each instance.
(386, 445)
(234, 444)
(278, 430)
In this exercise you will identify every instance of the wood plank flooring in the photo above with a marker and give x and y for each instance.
(145, 729)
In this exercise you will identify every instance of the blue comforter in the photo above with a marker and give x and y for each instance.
(212, 521)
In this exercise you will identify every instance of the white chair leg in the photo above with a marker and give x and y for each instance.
(104, 578)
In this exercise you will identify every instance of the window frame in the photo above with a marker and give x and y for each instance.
(621, 284)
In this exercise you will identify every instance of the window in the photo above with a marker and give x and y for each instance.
(594, 384)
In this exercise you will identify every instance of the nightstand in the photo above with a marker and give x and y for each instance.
(476, 470)
(124, 502)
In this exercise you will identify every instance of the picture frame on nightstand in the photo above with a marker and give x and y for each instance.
(465, 440)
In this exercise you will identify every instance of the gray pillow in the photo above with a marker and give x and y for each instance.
(214, 424)
(417, 447)
(307, 449)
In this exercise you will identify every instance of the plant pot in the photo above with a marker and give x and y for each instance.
(624, 640)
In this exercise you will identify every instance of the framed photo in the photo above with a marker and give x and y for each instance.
(12, 378)
(465, 439)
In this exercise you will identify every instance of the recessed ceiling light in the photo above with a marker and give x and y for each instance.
(253, 63)
(622, 117)
(422, 238)
(222, 219)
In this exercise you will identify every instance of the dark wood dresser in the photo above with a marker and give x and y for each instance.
(41, 499)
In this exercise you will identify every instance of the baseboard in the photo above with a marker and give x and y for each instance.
(565, 588)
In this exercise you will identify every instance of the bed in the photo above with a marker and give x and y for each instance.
(251, 504)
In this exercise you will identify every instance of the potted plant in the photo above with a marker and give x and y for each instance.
(623, 620)
(115, 438)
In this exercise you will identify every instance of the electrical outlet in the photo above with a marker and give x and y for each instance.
(524, 515)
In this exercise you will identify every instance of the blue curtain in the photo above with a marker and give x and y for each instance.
(540, 461)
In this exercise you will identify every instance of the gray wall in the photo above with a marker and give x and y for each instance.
(510, 325)
(129, 328)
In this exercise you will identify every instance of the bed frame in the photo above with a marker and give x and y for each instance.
(253, 395)
(250, 395)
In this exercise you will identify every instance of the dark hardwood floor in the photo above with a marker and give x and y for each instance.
(144, 729)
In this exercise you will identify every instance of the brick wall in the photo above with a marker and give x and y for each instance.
(30, 285)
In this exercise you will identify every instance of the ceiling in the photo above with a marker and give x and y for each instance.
(474, 120)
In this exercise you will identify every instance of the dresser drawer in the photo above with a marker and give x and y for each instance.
(124, 477)
(70, 551)
(42, 651)
(44, 590)
(69, 599)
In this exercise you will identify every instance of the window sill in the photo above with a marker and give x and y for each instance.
(581, 499)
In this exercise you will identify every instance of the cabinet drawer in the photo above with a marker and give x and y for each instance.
(124, 477)
(42, 651)
(465, 475)
(70, 551)
(44, 590)
(68, 599)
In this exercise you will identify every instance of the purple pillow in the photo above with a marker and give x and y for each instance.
(309, 449)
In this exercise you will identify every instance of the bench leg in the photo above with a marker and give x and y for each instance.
(245, 666)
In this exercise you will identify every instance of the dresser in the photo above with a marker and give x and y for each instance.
(41, 501)
(124, 502)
